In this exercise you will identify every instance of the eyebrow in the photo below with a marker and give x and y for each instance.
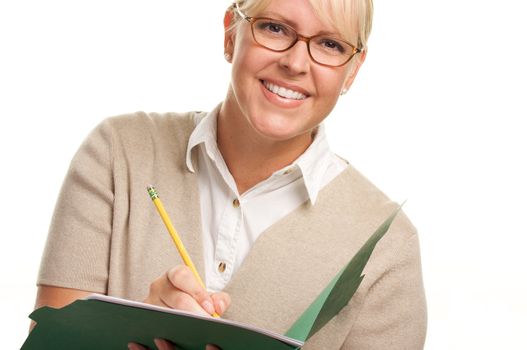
(279, 17)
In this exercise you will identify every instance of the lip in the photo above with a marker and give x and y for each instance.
(287, 86)
(279, 101)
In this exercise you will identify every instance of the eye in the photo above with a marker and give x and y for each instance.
(331, 45)
(272, 28)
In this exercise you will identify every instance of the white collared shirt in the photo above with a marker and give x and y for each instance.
(231, 222)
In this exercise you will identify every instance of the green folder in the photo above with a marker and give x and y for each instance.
(102, 322)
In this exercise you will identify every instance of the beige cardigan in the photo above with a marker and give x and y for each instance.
(107, 237)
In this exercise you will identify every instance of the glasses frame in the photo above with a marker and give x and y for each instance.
(299, 37)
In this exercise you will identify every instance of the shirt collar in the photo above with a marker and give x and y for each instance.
(313, 163)
(204, 132)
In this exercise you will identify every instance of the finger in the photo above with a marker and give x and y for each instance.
(212, 347)
(158, 288)
(163, 293)
(221, 301)
(183, 279)
(177, 299)
(163, 344)
(135, 346)
(171, 290)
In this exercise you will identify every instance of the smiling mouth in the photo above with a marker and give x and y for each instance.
(283, 92)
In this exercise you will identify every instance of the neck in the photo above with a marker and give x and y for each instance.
(251, 157)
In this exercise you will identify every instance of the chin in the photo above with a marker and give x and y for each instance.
(278, 131)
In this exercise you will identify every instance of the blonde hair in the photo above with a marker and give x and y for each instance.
(352, 18)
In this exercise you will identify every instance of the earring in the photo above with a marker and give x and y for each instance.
(343, 92)
(228, 56)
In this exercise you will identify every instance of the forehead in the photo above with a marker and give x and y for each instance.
(299, 13)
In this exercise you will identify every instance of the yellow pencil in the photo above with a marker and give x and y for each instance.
(175, 237)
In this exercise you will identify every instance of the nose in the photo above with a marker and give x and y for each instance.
(296, 60)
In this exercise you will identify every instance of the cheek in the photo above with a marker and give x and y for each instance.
(243, 46)
(245, 63)
(243, 80)
(329, 88)
(329, 81)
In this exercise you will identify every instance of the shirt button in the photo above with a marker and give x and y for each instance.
(236, 203)
(222, 266)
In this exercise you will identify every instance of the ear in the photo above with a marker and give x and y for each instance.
(356, 63)
(228, 44)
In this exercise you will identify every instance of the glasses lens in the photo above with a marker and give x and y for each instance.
(273, 34)
(330, 51)
(279, 36)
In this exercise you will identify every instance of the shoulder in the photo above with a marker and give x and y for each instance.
(362, 207)
(354, 194)
(141, 129)
(140, 122)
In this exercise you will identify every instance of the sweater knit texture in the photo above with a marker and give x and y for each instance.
(107, 237)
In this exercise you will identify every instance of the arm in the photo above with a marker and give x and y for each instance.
(56, 297)
(77, 254)
(393, 315)
(177, 289)
(73, 264)
(77, 249)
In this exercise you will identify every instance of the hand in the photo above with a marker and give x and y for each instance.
(162, 344)
(179, 289)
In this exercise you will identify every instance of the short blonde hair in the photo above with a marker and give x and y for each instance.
(352, 18)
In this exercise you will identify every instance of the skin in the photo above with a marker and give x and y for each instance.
(177, 288)
(258, 134)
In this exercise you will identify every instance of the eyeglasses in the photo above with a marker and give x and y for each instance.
(279, 37)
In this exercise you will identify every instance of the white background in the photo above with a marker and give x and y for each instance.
(436, 116)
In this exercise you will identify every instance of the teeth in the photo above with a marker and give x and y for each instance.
(283, 92)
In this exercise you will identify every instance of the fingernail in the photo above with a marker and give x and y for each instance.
(221, 305)
(162, 344)
(207, 306)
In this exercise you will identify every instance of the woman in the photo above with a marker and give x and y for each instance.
(266, 210)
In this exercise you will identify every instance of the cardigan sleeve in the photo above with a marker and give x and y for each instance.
(393, 315)
(77, 249)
